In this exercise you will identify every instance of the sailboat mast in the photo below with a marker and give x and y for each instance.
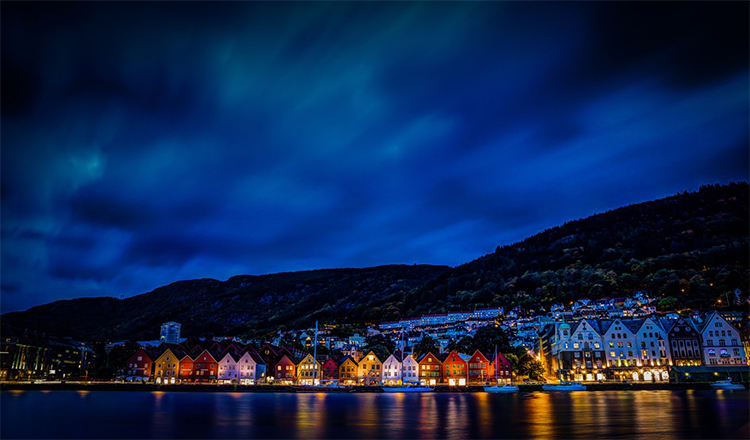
(315, 352)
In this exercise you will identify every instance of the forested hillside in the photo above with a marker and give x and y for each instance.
(691, 246)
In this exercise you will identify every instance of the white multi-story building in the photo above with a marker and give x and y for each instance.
(170, 332)
(651, 342)
(721, 342)
(487, 312)
(437, 319)
(459, 316)
(619, 344)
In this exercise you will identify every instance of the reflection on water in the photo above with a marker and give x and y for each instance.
(607, 414)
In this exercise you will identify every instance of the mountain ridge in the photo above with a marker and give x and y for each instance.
(689, 245)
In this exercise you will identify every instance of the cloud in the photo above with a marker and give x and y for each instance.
(144, 144)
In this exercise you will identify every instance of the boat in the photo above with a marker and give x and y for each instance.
(505, 388)
(501, 389)
(407, 389)
(727, 385)
(564, 386)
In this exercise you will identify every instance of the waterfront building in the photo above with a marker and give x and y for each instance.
(329, 371)
(430, 369)
(206, 366)
(305, 368)
(167, 368)
(684, 342)
(186, 367)
(455, 369)
(479, 367)
(721, 342)
(228, 371)
(620, 346)
(348, 371)
(140, 365)
(170, 332)
(409, 370)
(500, 369)
(285, 370)
(392, 369)
(369, 370)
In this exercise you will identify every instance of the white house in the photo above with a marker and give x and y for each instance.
(227, 369)
(392, 370)
(251, 368)
(409, 370)
(721, 342)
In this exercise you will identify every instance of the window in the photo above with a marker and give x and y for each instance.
(140, 358)
(612, 354)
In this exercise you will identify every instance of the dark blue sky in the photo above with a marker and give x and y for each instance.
(148, 142)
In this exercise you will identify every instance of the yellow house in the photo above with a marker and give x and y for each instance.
(305, 370)
(348, 371)
(370, 370)
(166, 368)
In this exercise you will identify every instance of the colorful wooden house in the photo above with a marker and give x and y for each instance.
(430, 369)
(140, 365)
(306, 367)
(186, 367)
(392, 369)
(251, 368)
(167, 368)
(480, 370)
(228, 371)
(206, 366)
(409, 370)
(284, 371)
(329, 371)
(348, 371)
(370, 370)
(455, 369)
(503, 370)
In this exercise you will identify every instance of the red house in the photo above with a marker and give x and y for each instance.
(329, 371)
(140, 366)
(284, 371)
(454, 369)
(503, 369)
(480, 370)
(206, 366)
(186, 368)
(430, 369)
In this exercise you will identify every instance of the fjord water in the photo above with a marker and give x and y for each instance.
(603, 414)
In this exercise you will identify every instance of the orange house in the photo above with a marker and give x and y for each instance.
(454, 369)
(430, 369)
(186, 368)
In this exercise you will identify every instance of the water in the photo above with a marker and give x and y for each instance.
(601, 414)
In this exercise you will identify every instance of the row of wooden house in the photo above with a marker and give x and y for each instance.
(227, 363)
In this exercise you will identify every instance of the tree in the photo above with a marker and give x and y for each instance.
(427, 344)
(489, 337)
(667, 303)
(464, 345)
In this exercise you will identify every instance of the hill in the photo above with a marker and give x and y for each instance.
(691, 246)
(241, 305)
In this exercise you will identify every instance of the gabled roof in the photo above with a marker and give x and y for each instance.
(348, 358)
(256, 357)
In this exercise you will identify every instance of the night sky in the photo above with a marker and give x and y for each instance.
(148, 142)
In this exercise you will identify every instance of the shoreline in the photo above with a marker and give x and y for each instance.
(209, 388)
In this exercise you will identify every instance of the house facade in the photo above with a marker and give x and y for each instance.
(167, 368)
(370, 370)
(348, 371)
(721, 342)
(455, 369)
(409, 370)
(140, 365)
(392, 370)
(684, 342)
(430, 369)
(479, 369)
